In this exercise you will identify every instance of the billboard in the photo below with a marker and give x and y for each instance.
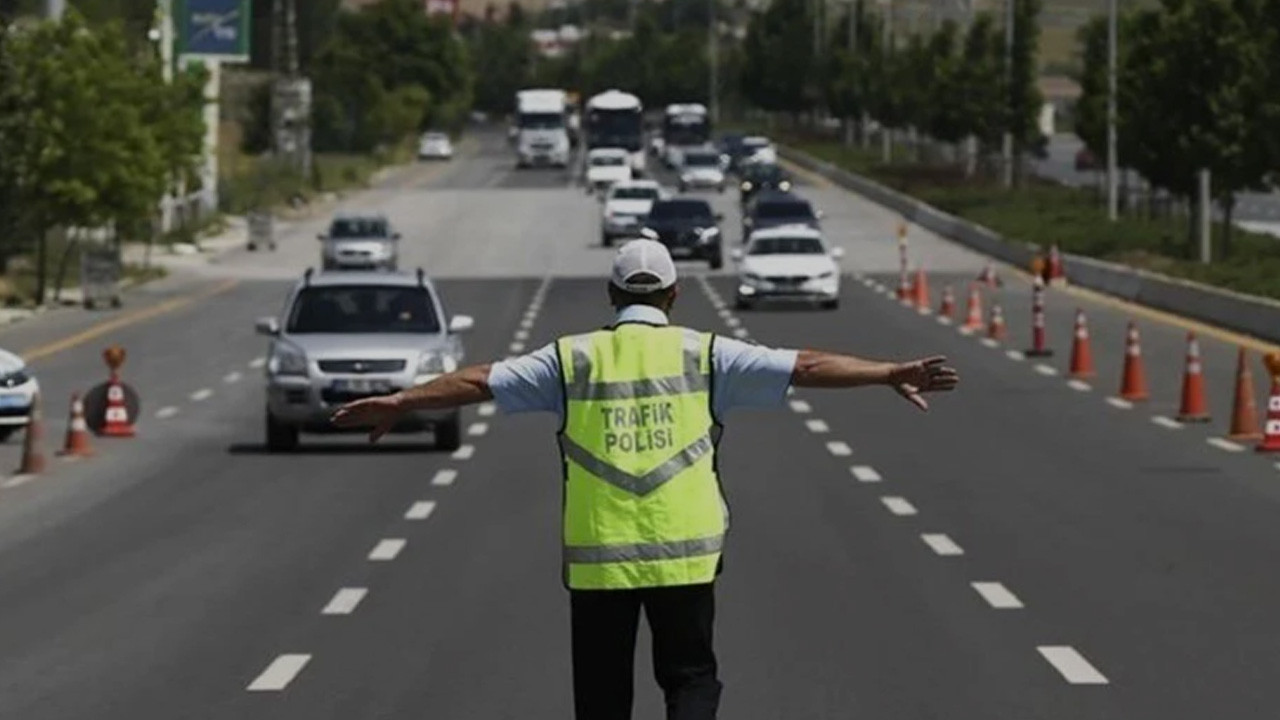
(213, 29)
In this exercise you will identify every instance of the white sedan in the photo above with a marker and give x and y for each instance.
(701, 169)
(606, 166)
(18, 388)
(625, 208)
(435, 146)
(788, 263)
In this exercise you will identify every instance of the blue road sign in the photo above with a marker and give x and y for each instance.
(217, 29)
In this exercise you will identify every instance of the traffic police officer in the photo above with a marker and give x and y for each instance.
(641, 403)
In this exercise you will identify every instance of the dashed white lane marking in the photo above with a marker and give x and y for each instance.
(1121, 403)
(232, 377)
(387, 549)
(898, 505)
(17, 480)
(732, 322)
(990, 342)
(800, 406)
(420, 510)
(1079, 385)
(817, 426)
(1165, 422)
(725, 313)
(740, 333)
(997, 595)
(941, 544)
(522, 334)
(202, 394)
(1016, 355)
(517, 347)
(839, 448)
(865, 473)
(166, 412)
(1046, 370)
(486, 409)
(1225, 444)
(257, 362)
(444, 477)
(478, 429)
(279, 673)
(344, 601)
(464, 453)
(1072, 665)
(526, 324)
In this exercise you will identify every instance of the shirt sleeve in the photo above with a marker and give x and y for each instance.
(750, 375)
(528, 383)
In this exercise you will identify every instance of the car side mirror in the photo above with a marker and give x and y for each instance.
(648, 233)
(267, 326)
(736, 254)
(459, 324)
(322, 236)
(837, 252)
(719, 216)
(395, 236)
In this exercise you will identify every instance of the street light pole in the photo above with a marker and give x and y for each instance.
(1007, 140)
(1112, 151)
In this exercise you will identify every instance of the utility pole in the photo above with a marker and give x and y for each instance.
(164, 37)
(291, 96)
(1007, 140)
(1113, 179)
(713, 62)
(1205, 218)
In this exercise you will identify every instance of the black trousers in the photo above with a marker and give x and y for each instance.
(604, 650)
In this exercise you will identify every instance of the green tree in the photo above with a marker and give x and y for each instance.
(502, 55)
(779, 58)
(980, 78)
(1024, 99)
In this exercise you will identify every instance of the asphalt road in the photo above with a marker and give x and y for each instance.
(1025, 550)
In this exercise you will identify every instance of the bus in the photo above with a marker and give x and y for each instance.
(616, 119)
(684, 125)
(541, 134)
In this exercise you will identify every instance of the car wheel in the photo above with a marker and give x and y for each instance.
(280, 437)
(449, 434)
(7, 432)
(830, 304)
(716, 261)
(742, 304)
(606, 239)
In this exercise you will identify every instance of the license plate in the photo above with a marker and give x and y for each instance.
(362, 386)
(680, 251)
(12, 401)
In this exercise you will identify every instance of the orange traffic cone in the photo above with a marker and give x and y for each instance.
(117, 422)
(1133, 385)
(996, 329)
(1081, 349)
(1039, 342)
(1244, 411)
(32, 455)
(1271, 431)
(920, 290)
(948, 306)
(77, 444)
(973, 319)
(1057, 274)
(1194, 407)
(988, 276)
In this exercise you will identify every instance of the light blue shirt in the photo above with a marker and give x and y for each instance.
(746, 375)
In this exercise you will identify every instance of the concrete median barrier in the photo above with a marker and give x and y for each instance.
(1248, 314)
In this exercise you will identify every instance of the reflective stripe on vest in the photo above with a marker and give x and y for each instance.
(642, 502)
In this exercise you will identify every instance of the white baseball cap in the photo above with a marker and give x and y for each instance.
(643, 257)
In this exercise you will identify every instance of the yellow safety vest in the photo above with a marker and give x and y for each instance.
(642, 504)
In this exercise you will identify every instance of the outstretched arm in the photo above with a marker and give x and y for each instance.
(462, 387)
(819, 369)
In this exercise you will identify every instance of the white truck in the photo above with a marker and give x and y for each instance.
(684, 126)
(615, 119)
(541, 135)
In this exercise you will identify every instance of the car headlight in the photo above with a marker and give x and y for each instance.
(708, 234)
(435, 363)
(746, 186)
(15, 379)
(827, 275)
(286, 360)
(784, 185)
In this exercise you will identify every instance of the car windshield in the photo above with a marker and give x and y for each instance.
(358, 228)
(541, 121)
(755, 143)
(786, 246)
(785, 209)
(435, 137)
(701, 160)
(607, 160)
(347, 309)
(635, 193)
(680, 209)
(761, 173)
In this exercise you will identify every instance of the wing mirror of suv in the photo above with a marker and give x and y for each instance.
(736, 254)
(837, 253)
(461, 323)
(267, 326)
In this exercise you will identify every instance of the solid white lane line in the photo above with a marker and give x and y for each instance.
(279, 673)
(839, 448)
(990, 342)
(941, 544)
(420, 510)
(522, 334)
(478, 429)
(800, 406)
(1121, 403)
(740, 333)
(817, 426)
(486, 410)
(1016, 355)
(202, 394)
(1072, 665)
(17, 480)
(387, 549)
(464, 453)
(257, 362)
(444, 477)
(166, 412)
(865, 473)
(997, 595)
(1225, 444)
(344, 601)
(1079, 385)
(898, 505)
(1046, 370)
(232, 377)
(517, 347)
(1165, 422)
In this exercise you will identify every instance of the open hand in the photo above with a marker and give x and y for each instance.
(912, 379)
(379, 412)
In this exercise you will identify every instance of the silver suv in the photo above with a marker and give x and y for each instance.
(359, 241)
(351, 335)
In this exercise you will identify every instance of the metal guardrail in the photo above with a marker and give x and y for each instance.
(1248, 314)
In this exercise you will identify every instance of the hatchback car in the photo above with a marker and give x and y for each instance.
(790, 263)
(345, 336)
(18, 389)
(359, 241)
